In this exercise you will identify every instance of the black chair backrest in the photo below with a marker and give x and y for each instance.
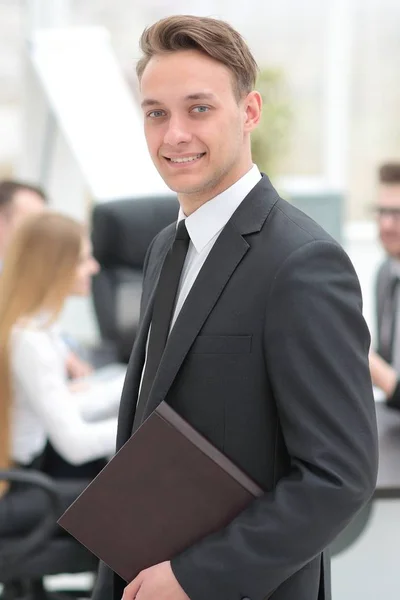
(122, 231)
(26, 557)
(15, 550)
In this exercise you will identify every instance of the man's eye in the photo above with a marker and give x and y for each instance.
(200, 109)
(154, 114)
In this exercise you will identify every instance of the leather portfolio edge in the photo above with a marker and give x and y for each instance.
(165, 412)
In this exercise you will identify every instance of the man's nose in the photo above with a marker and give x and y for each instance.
(386, 222)
(177, 132)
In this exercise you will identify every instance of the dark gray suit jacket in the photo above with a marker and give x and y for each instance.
(382, 291)
(268, 360)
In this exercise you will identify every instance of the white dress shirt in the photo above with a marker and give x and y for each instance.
(204, 227)
(79, 425)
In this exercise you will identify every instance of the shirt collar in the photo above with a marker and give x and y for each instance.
(211, 217)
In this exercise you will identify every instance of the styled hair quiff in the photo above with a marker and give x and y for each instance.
(214, 38)
(38, 273)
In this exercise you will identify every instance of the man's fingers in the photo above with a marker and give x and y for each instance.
(132, 589)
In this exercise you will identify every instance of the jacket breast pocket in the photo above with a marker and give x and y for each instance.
(222, 344)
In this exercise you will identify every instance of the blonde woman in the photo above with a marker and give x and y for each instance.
(48, 260)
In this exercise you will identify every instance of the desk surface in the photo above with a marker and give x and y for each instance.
(388, 485)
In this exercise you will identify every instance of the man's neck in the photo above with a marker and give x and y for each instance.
(192, 202)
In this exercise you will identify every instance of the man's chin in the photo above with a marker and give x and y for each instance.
(185, 188)
(392, 250)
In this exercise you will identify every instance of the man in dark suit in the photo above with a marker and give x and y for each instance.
(267, 350)
(385, 364)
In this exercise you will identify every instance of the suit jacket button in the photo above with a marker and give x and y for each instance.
(246, 598)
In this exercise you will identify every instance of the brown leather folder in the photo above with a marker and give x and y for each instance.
(166, 488)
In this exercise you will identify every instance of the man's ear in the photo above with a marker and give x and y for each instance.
(253, 108)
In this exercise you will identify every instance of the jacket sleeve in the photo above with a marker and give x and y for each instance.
(316, 359)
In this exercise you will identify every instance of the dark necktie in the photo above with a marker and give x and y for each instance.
(164, 304)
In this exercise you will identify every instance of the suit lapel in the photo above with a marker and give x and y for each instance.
(127, 407)
(224, 258)
(213, 277)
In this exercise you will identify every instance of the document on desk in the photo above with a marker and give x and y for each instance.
(164, 490)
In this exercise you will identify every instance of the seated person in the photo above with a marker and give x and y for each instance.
(385, 363)
(385, 378)
(48, 259)
(19, 200)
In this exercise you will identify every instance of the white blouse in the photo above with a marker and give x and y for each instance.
(81, 426)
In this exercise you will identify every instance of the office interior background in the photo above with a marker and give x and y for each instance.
(70, 122)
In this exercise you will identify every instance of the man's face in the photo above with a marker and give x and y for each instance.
(197, 131)
(389, 218)
(24, 203)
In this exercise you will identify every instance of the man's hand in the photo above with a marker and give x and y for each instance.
(382, 374)
(76, 367)
(155, 583)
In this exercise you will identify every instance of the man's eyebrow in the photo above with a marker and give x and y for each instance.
(200, 96)
(149, 102)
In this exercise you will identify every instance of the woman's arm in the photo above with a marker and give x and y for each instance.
(382, 374)
(98, 399)
(36, 368)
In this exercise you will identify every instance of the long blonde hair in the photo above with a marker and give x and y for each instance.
(38, 273)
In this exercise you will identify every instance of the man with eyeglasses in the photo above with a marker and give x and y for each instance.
(385, 363)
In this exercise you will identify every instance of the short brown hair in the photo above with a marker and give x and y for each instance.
(389, 173)
(10, 187)
(212, 37)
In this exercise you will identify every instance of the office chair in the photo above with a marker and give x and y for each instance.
(26, 559)
(122, 231)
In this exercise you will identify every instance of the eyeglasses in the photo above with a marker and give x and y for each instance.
(387, 211)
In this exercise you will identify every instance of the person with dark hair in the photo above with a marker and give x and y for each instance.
(17, 201)
(385, 363)
(251, 329)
